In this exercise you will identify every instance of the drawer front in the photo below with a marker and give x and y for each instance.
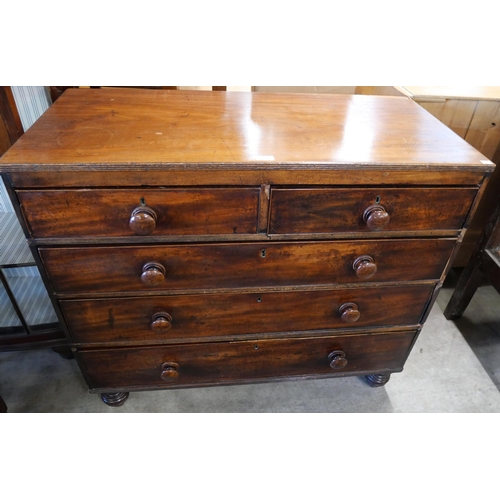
(109, 212)
(189, 317)
(348, 210)
(226, 362)
(179, 267)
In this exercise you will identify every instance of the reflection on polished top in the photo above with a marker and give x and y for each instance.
(116, 127)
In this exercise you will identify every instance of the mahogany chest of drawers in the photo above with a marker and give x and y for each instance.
(200, 238)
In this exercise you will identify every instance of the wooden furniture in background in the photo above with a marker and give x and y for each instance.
(484, 262)
(3, 406)
(10, 123)
(203, 238)
(474, 114)
(471, 112)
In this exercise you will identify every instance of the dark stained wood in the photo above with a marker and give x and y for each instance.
(244, 175)
(337, 360)
(376, 217)
(57, 91)
(264, 199)
(364, 266)
(52, 336)
(5, 142)
(9, 115)
(10, 123)
(143, 220)
(349, 312)
(26, 335)
(481, 217)
(469, 281)
(378, 380)
(337, 210)
(107, 212)
(263, 238)
(115, 399)
(161, 322)
(215, 315)
(169, 371)
(232, 362)
(484, 261)
(3, 406)
(124, 189)
(108, 269)
(99, 127)
(153, 274)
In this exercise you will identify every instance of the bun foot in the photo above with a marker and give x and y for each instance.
(115, 398)
(377, 380)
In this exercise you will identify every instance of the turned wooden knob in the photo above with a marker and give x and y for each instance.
(169, 371)
(143, 220)
(364, 266)
(376, 217)
(349, 312)
(161, 322)
(337, 360)
(153, 274)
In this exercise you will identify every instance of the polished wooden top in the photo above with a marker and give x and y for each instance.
(123, 128)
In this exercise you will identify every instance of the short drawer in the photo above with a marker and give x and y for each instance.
(181, 267)
(132, 212)
(190, 317)
(233, 362)
(368, 209)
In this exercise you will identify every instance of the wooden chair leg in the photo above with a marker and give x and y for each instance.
(471, 276)
(464, 291)
(3, 406)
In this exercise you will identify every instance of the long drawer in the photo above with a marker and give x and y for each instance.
(180, 267)
(228, 362)
(368, 209)
(158, 212)
(190, 317)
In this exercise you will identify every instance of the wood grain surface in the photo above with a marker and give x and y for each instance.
(102, 128)
(226, 362)
(337, 210)
(212, 266)
(214, 315)
(106, 212)
(305, 175)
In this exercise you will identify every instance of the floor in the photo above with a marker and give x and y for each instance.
(454, 367)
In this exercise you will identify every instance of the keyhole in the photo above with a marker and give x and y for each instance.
(377, 199)
(143, 202)
(263, 253)
(259, 299)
